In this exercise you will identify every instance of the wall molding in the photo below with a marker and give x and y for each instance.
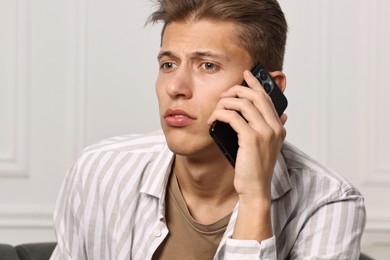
(77, 70)
(377, 168)
(26, 216)
(379, 164)
(378, 220)
(13, 163)
(324, 12)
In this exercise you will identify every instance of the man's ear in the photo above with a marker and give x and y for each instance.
(280, 79)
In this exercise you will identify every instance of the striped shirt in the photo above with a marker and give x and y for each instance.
(111, 206)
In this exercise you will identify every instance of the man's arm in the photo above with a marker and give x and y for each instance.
(260, 136)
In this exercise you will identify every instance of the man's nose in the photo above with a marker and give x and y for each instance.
(180, 83)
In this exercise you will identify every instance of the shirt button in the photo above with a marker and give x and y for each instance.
(157, 233)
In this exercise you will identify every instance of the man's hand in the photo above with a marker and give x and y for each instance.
(260, 137)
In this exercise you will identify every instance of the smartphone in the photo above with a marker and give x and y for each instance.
(224, 135)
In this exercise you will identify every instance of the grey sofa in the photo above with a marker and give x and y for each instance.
(33, 251)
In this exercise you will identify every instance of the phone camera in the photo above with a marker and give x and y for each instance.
(267, 87)
(263, 75)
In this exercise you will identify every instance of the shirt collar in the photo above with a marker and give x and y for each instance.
(280, 179)
(158, 170)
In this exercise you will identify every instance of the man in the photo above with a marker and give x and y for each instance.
(173, 195)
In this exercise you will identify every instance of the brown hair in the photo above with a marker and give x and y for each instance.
(262, 27)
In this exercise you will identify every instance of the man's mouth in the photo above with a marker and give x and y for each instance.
(177, 118)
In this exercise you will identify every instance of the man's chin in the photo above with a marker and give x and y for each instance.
(180, 145)
(186, 144)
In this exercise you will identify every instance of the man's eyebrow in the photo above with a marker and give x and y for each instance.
(164, 54)
(202, 54)
(198, 54)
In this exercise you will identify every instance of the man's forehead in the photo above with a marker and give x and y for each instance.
(201, 27)
(204, 36)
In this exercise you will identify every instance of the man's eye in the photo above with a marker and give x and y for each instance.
(209, 66)
(167, 65)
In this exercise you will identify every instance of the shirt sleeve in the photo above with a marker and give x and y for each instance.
(67, 220)
(58, 254)
(334, 230)
(250, 249)
(331, 230)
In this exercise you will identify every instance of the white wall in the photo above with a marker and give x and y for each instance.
(73, 72)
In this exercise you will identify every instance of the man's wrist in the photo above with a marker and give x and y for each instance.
(253, 220)
(255, 199)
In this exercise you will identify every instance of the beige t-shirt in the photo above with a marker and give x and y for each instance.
(187, 238)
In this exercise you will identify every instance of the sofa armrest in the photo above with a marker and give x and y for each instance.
(35, 251)
(8, 252)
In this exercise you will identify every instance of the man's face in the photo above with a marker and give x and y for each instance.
(198, 61)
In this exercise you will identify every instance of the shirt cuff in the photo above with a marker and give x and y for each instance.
(251, 249)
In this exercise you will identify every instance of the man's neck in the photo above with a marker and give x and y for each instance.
(207, 188)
